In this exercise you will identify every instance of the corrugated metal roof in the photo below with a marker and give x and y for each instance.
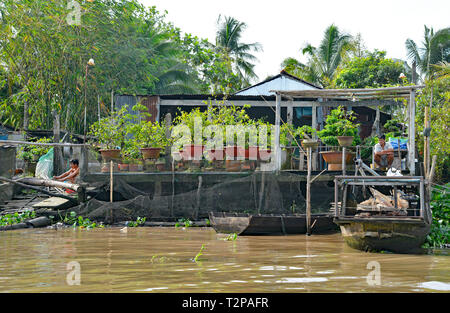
(282, 81)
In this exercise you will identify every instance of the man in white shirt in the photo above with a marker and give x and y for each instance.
(383, 153)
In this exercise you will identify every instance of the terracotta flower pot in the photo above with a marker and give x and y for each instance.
(345, 141)
(133, 167)
(150, 153)
(310, 143)
(123, 167)
(252, 153)
(193, 151)
(234, 152)
(334, 159)
(110, 154)
(160, 166)
(215, 154)
(264, 154)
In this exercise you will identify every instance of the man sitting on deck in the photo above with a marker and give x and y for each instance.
(383, 153)
(71, 174)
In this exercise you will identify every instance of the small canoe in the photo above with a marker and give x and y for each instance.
(394, 234)
(270, 224)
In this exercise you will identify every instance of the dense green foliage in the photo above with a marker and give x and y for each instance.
(339, 123)
(44, 60)
(440, 227)
(436, 95)
(373, 70)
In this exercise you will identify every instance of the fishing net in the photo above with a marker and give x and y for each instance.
(44, 167)
(193, 195)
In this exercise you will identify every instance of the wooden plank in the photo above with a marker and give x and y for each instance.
(53, 203)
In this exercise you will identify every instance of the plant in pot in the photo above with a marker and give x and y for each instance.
(151, 137)
(339, 123)
(192, 147)
(110, 134)
(228, 117)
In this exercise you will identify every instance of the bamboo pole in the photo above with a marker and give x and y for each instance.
(277, 132)
(308, 193)
(54, 144)
(343, 161)
(111, 182)
(426, 152)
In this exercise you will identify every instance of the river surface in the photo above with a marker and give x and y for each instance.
(156, 259)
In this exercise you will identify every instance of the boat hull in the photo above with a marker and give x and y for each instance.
(394, 235)
(264, 224)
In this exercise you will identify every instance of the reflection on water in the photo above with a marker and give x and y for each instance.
(161, 260)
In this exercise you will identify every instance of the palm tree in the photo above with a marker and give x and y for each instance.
(435, 48)
(239, 54)
(324, 60)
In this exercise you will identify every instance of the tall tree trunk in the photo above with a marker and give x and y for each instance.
(26, 117)
(58, 162)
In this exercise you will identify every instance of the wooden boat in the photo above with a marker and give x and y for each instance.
(383, 230)
(270, 224)
(395, 234)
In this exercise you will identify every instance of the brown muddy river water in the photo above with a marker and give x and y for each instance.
(153, 259)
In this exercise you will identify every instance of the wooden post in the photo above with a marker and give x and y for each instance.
(336, 198)
(98, 106)
(315, 158)
(168, 123)
(343, 161)
(57, 151)
(112, 101)
(277, 133)
(426, 152)
(111, 196)
(308, 193)
(411, 133)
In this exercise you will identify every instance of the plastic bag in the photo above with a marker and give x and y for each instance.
(44, 167)
(395, 142)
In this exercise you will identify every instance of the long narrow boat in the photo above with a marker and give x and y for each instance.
(270, 224)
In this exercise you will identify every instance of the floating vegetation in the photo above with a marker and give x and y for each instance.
(139, 221)
(199, 254)
(16, 218)
(230, 237)
(183, 221)
(80, 221)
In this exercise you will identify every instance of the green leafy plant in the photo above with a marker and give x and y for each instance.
(199, 254)
(230, 237)
(80, 222)
(33, 152)
(439, 236)
(339, 123)
(139, 221)
(110, 132)
(185, 221)
(16, 218)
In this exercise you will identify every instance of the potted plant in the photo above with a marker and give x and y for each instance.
(152, 138)
(191, 148)
(338, 123)
(110, 133)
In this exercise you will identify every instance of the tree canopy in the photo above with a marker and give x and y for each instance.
(373, 70)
